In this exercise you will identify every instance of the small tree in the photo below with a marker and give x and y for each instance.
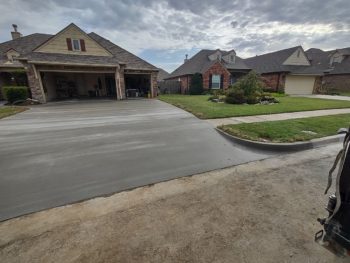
(196, 86)
(247, 89)
(251, 84)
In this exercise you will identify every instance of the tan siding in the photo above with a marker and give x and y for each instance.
(58, 44)
(295, 60)
(299, 85)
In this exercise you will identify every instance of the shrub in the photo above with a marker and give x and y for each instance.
(15, 93)
(250, 84)
(247, 89)
(235, 96)
(196, 87)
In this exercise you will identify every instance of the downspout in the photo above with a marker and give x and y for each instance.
(278, 82)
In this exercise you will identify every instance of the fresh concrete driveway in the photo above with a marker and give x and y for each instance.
(64, 152)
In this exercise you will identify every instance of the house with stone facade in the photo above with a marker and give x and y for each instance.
(295, 71)
(219, 69)
(74, 64)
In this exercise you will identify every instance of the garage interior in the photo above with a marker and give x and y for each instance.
(137, 85)
(67, 85)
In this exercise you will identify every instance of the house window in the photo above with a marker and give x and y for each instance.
(76, 45)
(215, 81)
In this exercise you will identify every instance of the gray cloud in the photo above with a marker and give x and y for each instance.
(249, 26)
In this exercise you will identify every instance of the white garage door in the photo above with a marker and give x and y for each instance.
(299, 85)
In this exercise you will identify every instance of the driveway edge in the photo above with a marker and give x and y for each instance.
(296, 146)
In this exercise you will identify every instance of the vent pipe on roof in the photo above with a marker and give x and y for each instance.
(186, 58)
(15, 34)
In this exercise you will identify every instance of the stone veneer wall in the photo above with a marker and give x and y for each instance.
(154, 84)
(34, 83)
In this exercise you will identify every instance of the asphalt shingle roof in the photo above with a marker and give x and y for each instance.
(271, 62)
(25, 45)
(200, 62)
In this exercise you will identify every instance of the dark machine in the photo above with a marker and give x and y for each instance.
(335, 235)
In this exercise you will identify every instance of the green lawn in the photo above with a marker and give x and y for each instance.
(10, 110)
(204, 109)
(289, 130)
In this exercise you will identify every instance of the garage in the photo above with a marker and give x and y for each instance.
(137, 85)
(299, 85)
(69, 85)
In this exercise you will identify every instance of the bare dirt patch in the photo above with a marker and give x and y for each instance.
(259, 212)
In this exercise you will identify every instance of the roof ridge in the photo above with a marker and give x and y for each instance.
(120, 48)
(277, 51)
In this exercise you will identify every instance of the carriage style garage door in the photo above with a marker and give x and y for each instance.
(299, 85)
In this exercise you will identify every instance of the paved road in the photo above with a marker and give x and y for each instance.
(64, 152)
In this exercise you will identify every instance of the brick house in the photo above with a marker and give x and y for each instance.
(75, 64)
(218, 68)
(295, 71)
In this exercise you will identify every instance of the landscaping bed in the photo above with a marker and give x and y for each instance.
(200, 106)
(10, 110)
(289, 130)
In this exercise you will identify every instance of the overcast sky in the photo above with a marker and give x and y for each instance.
(162, 32)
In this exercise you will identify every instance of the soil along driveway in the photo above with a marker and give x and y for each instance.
(60, 153)
(258, 212)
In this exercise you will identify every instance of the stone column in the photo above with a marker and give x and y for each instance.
(154, 84)
(35, 84)
(120, 83)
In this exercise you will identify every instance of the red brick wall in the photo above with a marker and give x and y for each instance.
(216, 69)
(274, 81)
(336, 83)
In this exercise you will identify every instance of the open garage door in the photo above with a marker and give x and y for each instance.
(137, 85)
(299, 85)
(67, 85)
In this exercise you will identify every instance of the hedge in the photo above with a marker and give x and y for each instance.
(15, 93)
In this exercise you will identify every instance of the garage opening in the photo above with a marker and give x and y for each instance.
(137, 85)
(65, 85)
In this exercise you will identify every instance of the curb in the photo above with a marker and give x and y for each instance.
(296, 146)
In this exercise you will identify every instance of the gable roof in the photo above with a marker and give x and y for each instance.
(200, 62)
(71, 26)
(320, 59)
(271, 62)
(27, 44)
(22, 45)
(162, 74)
(124, 56)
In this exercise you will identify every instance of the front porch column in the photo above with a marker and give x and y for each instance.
(154, 84)
(120, 83)
(35, 83)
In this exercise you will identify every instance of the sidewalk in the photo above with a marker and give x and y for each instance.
(327, 97)
(276, 117)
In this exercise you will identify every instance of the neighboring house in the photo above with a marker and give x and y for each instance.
(72, 63)
(219, 69)
(336, 68)
(298, 72)
(287, 70)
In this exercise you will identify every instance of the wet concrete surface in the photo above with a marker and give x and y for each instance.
(64, 152)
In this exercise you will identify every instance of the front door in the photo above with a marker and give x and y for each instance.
(111, 87)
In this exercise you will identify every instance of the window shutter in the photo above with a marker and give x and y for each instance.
(210, 80)
(69, 43)
(222, 81)
(82, 45)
